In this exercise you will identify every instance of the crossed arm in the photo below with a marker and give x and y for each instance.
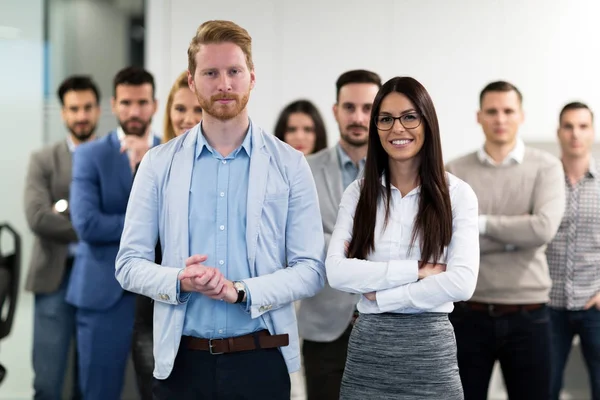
(395, 282)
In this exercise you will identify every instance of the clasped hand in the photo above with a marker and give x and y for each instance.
(136, 147)
(209, 281)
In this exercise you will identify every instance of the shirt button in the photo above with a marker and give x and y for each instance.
(221, 262)
(222, 227)
(224, 161)
(220, 330)
(222, 194)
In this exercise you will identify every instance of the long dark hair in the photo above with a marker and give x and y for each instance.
(433, 222)
(308, 108)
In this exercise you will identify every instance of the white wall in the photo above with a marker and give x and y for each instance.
(549, 49)
(21, 129)
(85, 37)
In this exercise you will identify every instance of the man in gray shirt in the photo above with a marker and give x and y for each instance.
(573, 255)
(521, 197)
(325, 320)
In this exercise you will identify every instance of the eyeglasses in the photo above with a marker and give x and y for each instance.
(408, 121)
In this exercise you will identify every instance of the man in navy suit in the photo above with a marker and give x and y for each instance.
(102, 178)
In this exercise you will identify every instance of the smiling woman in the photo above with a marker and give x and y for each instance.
(182, 111)
(406, 239)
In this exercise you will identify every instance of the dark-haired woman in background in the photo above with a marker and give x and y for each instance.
(300, 125)
(407, 239)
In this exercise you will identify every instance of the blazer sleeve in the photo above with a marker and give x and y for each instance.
(305, 272)
(42, 220)
(90, 222)
(137, 268)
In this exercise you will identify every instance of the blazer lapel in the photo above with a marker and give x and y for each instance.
(333, 177)
(178, 197)
(257, 187)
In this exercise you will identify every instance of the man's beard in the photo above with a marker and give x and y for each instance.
(139, 130)
(224, 112)
(353, 140)
(82, 135)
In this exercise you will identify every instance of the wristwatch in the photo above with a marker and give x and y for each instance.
(241, 291)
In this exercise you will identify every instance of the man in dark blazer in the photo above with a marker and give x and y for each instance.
(55, 245)
(102, 179)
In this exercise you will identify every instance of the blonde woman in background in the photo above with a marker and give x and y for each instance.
(182, 113)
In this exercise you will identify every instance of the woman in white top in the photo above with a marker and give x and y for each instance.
(407, 239)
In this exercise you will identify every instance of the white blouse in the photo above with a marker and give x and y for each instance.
(391, 270)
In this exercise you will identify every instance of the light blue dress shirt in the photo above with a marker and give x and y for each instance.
(217, 228)
(350, 171)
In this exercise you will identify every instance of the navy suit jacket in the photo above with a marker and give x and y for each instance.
(102, 180)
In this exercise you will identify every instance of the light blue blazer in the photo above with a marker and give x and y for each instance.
(284, 238)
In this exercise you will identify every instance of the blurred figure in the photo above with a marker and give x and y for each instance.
(182, 113)
(325, 320)
(406, 242)
(574, 253)
(300, 125)
(102, 179)
(55, 246)
(521, 196)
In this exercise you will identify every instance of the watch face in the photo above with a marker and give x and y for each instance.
(61, 205)
(238, 286)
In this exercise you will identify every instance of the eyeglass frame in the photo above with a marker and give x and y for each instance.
(399, 119)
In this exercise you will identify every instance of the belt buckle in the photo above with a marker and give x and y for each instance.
(210, 348)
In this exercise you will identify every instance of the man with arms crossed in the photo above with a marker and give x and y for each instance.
(521, 199)
(325, 320)
(574, 255)
(237, 214)
(55, 246)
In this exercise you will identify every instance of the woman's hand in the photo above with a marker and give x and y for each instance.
(429, 269)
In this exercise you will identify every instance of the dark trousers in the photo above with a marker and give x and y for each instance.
(520, 341)
(141, 346)
(565, 325)
(53, 333)
(324, 364)
(199, 375)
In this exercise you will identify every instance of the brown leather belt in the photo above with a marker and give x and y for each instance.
(497, 310)
(253, 341)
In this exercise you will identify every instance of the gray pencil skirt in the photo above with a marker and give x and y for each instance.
(402, 356)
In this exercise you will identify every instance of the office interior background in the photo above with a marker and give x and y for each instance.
(548, 48)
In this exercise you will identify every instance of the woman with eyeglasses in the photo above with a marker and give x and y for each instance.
(407, 239)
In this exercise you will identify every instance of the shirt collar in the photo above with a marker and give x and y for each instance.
(345, 159)
(413, 192)
(593, 169)
(70, 144)
(516, 155)
(246, 144)
(121, 136)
